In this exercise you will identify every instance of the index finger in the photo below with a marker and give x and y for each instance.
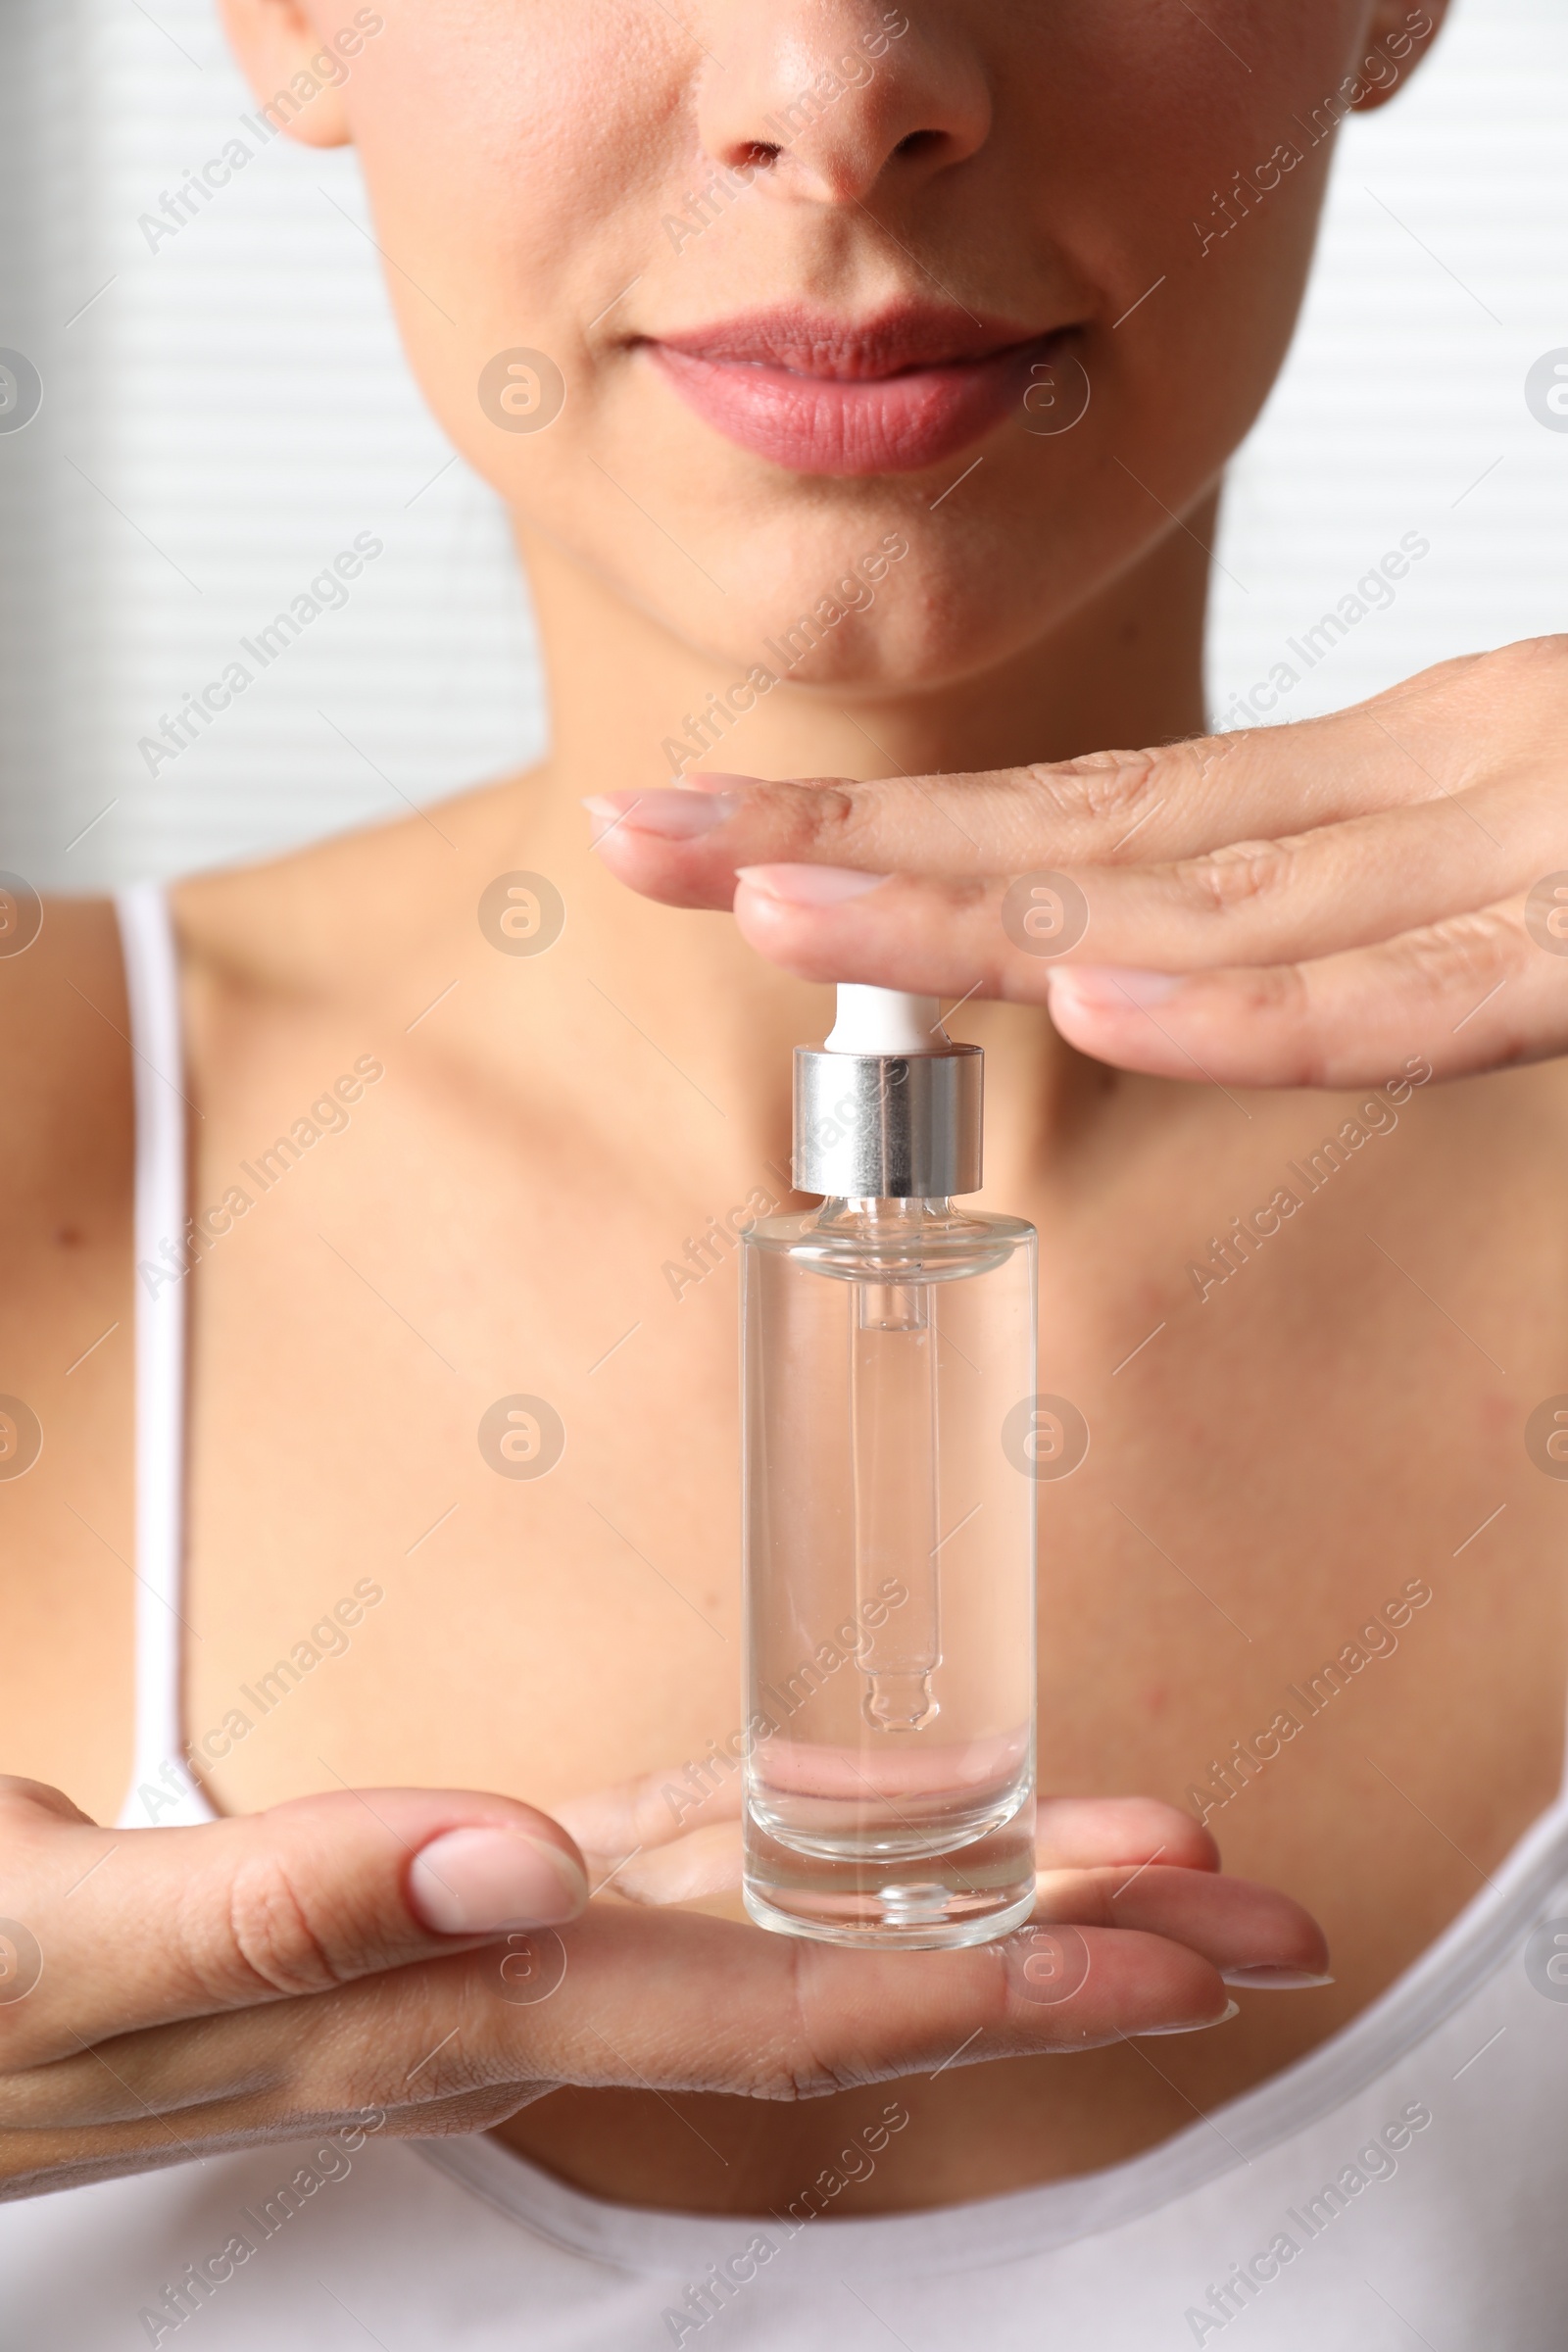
(1182, 799)
(660, 2000)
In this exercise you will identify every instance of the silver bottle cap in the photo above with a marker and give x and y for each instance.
(887, 1126)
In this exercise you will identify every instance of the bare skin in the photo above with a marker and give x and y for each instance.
(1279, 1461)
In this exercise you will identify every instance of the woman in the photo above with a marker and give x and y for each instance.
(775, 328)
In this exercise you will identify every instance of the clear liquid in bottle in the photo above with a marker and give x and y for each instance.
(890, 1571)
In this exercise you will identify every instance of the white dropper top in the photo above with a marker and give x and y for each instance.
(885, 1020)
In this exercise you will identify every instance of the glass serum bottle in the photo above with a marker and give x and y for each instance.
(890, 1541)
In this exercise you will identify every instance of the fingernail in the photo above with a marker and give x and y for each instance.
(1199, 2025)
(1266, 1978)
(471, 1882)
(809, 885)
(1099, 986)
(673, 816)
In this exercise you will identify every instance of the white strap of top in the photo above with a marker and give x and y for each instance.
(160, 1791)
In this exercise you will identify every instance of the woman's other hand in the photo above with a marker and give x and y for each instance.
(1309, 905)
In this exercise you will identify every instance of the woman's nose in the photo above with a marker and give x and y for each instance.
(831, 98)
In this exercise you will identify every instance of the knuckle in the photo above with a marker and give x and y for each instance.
(29, 1804)
(1534, 684)
(1456, 673)
(1504, 696)
(1507, 711)
(1278, 991)
(833, 816)
(1106, 789)
(962, 898)
(1465, 961)
(1098, 788)
(1243, 873)
(1279, 999)
(268, 1938)
(1526, 658)
(1462, 949)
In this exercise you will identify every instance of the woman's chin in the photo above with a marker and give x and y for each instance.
(907, 644)
(835, 587)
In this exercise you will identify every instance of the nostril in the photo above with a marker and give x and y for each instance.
(756, 156)
(918, 142)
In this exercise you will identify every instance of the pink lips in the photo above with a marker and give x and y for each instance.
(903, 393)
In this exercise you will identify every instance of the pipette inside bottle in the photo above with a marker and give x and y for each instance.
(893, 1397)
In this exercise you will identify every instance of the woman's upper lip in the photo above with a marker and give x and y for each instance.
(836, 351)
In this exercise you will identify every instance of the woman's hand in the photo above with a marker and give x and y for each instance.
(1296, 905)
(171, 1994)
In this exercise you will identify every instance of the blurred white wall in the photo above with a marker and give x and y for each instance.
(226, 410)
(225, 416)
(1441, 278)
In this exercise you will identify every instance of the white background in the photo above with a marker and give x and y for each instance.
(228, 412)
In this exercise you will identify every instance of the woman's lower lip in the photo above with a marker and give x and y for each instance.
(820, 425)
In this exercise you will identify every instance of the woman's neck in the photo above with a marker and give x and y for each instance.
(700, 1015)
(631, 706)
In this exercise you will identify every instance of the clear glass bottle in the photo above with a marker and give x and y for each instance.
(890, 1538)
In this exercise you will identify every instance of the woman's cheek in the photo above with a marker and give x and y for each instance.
(511, 183)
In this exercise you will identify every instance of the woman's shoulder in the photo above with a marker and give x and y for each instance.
(66, 1317)
(67, 1138)
(306, 922)
(339, 912)
(65, 1082)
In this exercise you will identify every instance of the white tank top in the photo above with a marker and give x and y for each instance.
(1405, 2183)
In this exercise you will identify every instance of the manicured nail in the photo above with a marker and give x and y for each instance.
(1267, 1978)
(1199, 2025)
(1100, 987)
(673, 816)
(474, 1882)
(809, 885)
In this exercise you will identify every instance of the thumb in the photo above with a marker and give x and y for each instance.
(488, 1878)
(145, 1927)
